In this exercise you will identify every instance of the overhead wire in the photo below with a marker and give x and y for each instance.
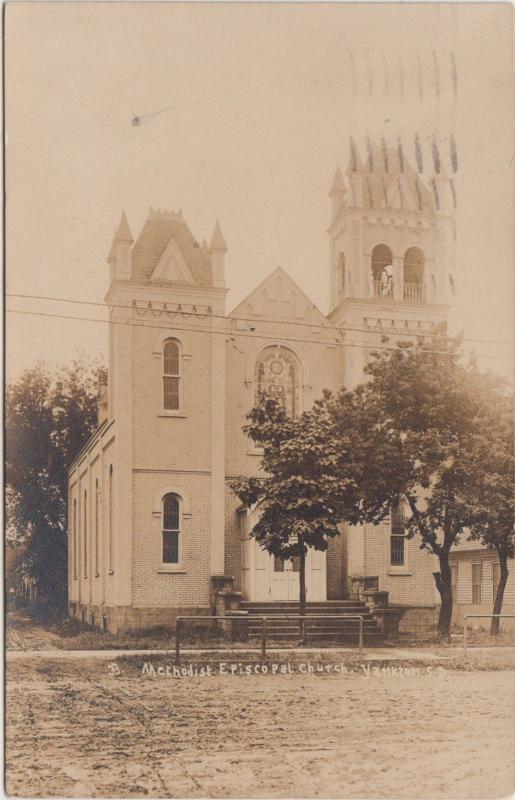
(240, 334)
(338, 328)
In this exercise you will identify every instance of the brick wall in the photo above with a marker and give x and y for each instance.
(191, 585)
(411, 585)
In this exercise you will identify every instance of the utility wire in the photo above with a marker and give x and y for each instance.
(233, 334)
(338, 329)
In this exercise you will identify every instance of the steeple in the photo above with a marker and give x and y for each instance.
(337, 193)
(217, 239)
(123, 234)
(119, 258)
(217, 251)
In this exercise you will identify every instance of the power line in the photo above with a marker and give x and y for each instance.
(233, 334)
(182, 312)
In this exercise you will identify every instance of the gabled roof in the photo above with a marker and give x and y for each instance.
(279, 297)
(158, 230)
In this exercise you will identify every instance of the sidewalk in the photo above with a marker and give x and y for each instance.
(375, 654)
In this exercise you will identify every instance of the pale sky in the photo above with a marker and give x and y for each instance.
(261, 101)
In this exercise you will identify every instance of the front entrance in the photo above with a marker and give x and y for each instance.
(285, 581)
(268, 578)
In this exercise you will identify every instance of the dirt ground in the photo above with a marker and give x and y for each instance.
(77, 728)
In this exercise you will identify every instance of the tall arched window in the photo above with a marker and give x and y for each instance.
(85, 542)
(171, 375)
(75, 538)
(278, 375)
(382, 271)
(413, 274)
(97, 503)
(171, 529)
(110, 520)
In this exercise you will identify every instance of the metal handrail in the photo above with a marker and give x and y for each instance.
(480, 616)
(264, 629)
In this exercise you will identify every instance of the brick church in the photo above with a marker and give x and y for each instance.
(154, 528)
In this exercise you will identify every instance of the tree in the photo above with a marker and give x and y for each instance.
(49, 417)
(302, 497)
(492, 489)
(415, 429)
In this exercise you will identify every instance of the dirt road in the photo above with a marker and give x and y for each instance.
(74, 729)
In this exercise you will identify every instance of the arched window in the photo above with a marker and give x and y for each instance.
(382, 271)
(278, 376)
(398, 535)
(75, 539)
(110, 520)
(85, 534)
(171, 529)
(97, 503)
(413, 274)
(171, 375)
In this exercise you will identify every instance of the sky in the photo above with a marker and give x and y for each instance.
(260, 101)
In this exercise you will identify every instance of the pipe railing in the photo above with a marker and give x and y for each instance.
(480, 616)
(264, 625)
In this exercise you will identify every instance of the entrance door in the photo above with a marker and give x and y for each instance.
(285, 583)
(265, 578)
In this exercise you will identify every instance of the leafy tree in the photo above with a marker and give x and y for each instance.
(491, 487)
(415, 428)
(302, 497)
(49, 417)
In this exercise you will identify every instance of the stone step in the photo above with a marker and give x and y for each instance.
(247, 604)
(309, 609)
(369, 637)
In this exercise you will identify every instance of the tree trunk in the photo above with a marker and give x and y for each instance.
(302, 593)
(443, 584)
(494, 626)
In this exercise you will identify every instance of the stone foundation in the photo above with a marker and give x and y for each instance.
(125, 619)
(418, 622)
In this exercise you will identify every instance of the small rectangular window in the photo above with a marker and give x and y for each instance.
(476, 584)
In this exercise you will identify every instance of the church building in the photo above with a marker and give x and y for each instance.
(154, 528)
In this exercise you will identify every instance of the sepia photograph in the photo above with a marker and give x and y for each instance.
(259, 463)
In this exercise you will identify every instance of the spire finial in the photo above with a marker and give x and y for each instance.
(217, 239)
(338, 184)
(123, 234)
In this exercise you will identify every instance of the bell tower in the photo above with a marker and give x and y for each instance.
(391, 252)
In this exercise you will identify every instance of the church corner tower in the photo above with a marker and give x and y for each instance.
(391, 250)
(147, 491)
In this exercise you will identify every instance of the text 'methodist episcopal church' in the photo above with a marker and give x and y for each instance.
(154, 528)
